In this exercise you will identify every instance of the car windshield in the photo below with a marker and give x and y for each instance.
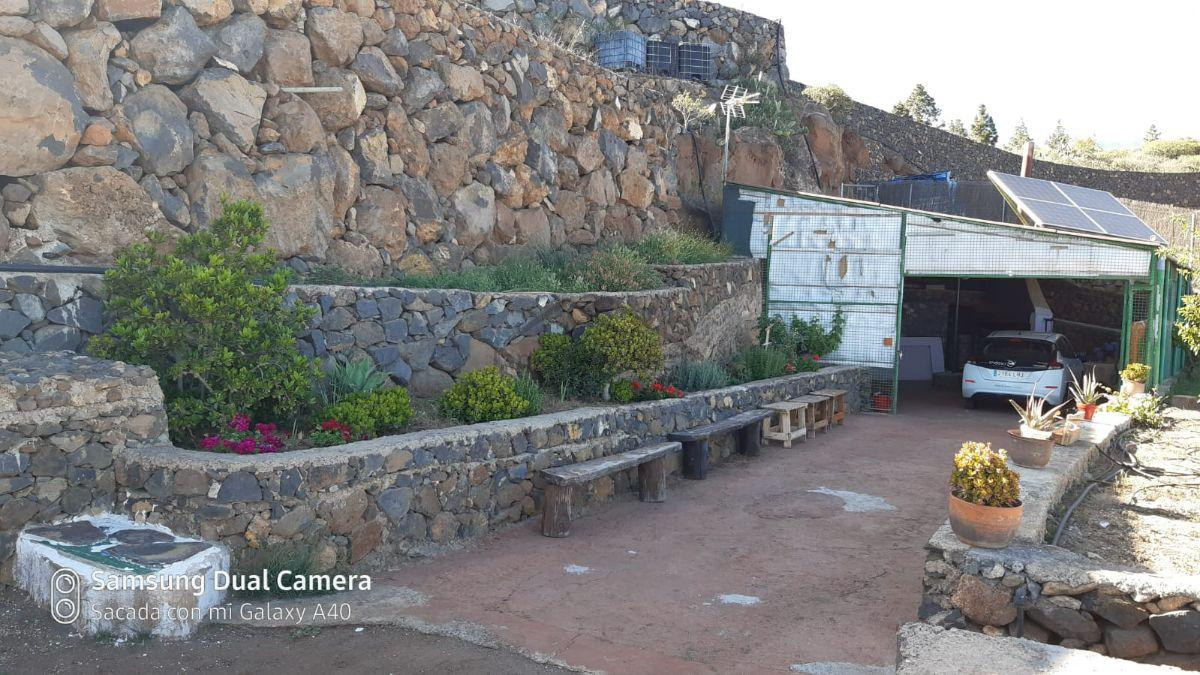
(1016, 353)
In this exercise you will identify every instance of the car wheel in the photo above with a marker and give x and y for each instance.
(969, 403)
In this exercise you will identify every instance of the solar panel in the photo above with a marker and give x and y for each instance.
(1071, 207)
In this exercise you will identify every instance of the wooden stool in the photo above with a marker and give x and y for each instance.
(837, 399)
(789, 424)
(815, 414)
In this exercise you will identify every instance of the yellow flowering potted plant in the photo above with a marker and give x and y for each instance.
(985, 497)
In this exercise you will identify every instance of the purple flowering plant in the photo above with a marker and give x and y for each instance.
(243, 437)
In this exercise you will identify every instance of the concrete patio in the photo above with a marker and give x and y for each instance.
(808, 555)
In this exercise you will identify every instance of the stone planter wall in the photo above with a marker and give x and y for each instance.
(423, 337)
(1070, 600)
(62, 418)
(83, 428)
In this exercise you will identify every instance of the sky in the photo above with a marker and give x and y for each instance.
(1106, 69)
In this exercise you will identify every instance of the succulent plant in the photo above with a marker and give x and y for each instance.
(1089, 392)
(1034, 415)
(981, 476)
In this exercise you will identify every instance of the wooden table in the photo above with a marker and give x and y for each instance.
(789, 424)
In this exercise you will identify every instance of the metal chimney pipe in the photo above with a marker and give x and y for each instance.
(1027, 160)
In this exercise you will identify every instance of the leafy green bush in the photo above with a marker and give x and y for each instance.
(1135, 372)
(981, 476)
(370, 414)
(698, 376)
(1172, 148)
(832, 97)
(483, 395)
(759, 363)
(773, 111)
(803, 336)
(1188, 325)
(621, 391)
(611, 268)
(563, 366)
(622, 342)
(528, 389)
(672, 247)
(357, 377)
(208, 313)
(1143, 410)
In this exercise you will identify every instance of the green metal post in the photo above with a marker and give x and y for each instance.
(899, 317)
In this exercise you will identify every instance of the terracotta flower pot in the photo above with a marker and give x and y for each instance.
(984, 526)
(1088, 410)
(1033, 453)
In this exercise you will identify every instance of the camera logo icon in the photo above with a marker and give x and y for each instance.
(64, 596)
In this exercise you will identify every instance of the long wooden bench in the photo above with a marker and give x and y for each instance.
(561, 481)
(747, 426)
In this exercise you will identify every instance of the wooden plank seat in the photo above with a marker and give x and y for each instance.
(815, 417)
(747, 426)
(789, 422)
(837, 400)
(561, 481)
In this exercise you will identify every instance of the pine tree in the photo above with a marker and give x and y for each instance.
(1020, 136)
(1152, 134)
(983, 128)
(956, 127)
(919, 106)
(1058, 144)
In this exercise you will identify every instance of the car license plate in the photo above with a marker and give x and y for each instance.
(1009, 375)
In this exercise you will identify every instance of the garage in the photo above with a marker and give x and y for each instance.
(921, 291)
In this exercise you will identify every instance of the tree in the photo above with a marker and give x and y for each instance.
(1020, 136)
(919, 106)
(983, 128)
(956, 127)
(1152, 134)
(1058, 143)
(693, 110)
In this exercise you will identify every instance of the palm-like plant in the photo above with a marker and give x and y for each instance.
(1034, 416)
(1089, 392)
(355, 377)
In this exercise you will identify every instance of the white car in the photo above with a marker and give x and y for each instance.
(1017, 363)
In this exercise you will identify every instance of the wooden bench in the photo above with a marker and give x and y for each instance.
(789, 424)
(561, 481)
(816, 416)
(747, 426)
(837, 401)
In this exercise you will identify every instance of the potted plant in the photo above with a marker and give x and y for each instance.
(1133, 379)
(1034, 440)
(1088, 395)
(985, 497)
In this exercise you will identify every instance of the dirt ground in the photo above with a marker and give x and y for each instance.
(30, 642)
(1151, 521)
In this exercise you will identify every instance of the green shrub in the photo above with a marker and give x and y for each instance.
(622, 342)
(357, 377)
(528, 389)
(832, 97)
(981, 476)
(209, 314)
(522, 273)
(698, 376)
(1173, 148)
(611, 268)
(773, 111)
(1143, 411)
(563, 366)
(371, 414)
(760, 363)
(672, 247)
(301, 559)
(622, 391)
(483, 395)
(803, 336)
(1135, 372)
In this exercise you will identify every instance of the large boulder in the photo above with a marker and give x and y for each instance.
(240, 41)
(984, 603)
(338, 109)
(299, 127)
(160, 126)
(376, 72)
(64, 13)
(215, 176)
(336, 36)
(174, 49)
(208, 12)
(476, 207)
(41, 116)
(94, 211)
(87, 57)
(297, 196)
(286, 59)
(383, 219)
(126, 10)
(232, 104)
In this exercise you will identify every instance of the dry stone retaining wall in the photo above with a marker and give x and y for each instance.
(449, 137)
(76, 441)
(425, 337)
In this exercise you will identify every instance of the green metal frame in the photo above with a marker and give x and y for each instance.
(899, 316)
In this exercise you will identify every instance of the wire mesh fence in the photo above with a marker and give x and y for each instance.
(1176, 225)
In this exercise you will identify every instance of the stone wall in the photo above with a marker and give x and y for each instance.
(62, 417)
(424, 337)
(76, 442)
(743, 43)
(449, 136)
(1069, 599)
(931, 149)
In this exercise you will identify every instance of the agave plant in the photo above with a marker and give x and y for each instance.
(355, 377)
(1089, 392)
(1034, 416)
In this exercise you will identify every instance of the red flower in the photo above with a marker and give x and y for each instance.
(637, 386)
(816, 357)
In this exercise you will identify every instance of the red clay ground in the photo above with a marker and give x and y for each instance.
(832, 585)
